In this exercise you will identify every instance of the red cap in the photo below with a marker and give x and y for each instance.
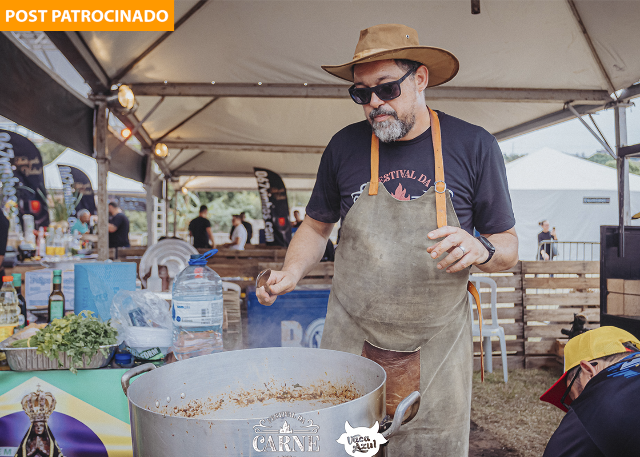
(7, 278)
(555, 393)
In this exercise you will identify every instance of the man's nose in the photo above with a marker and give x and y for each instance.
(375, 101)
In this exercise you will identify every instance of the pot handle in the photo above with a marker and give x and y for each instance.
(410, 403)
(134, 372)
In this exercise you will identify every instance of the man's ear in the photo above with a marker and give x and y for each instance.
(588, 369)
(422, 78)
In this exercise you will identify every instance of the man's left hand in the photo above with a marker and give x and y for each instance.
(464, 249)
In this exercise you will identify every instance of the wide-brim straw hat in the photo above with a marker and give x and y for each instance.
(396, 41)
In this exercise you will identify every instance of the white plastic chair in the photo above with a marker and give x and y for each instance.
(231, 286)
(489, 330)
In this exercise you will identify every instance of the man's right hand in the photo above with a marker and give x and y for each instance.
(280, 283)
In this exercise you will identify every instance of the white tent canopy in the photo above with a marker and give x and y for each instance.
(549, 184)
(273, 106)
(116, 184)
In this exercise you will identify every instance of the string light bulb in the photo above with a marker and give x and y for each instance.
(125, 133)
(161, 150)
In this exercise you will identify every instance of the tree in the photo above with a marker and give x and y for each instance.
(606, 159)
(50, 152)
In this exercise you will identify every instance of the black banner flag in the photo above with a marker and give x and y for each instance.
(275, 207)
(77, 191)
(22, 177)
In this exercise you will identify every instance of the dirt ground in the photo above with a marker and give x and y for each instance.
(509, 419)
(484, 444)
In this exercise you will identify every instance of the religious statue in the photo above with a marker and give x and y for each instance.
(39, 441)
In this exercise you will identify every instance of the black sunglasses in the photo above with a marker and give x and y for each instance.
(385, 92)
(593, 364)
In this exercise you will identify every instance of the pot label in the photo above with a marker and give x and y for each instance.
(286, 432)
(361, 441)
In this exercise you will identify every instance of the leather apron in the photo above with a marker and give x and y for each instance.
(387, 291)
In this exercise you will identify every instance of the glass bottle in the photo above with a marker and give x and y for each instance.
(22, 303)
(56, 299)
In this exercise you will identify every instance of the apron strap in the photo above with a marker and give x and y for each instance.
(476, 297)
(375, 157)
(441, 197)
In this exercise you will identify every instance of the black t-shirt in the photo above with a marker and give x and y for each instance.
(119, 238)
(604, 419)
(4, 233)
(542, 236)
(473, 167)
(198, 228)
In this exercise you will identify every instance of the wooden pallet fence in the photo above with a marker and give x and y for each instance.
(552, 293)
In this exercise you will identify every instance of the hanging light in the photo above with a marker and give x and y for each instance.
(122, 100)
(185, 190)
(161, 150)
(125, 133)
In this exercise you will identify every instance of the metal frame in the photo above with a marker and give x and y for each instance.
(178, 89)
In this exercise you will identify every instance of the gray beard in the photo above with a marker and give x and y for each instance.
(391, 129)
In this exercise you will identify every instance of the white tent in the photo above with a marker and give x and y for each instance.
(238, 84)
(548, 184)
(116, 184)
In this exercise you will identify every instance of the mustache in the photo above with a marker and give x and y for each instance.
(380, 111)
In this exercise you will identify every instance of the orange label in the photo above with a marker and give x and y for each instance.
(86, 15)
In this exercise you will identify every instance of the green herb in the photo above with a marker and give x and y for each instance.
(76, 335)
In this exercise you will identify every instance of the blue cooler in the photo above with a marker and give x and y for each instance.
(294, 320)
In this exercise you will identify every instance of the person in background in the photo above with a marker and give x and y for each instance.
(600, 392)
(238, 234)
(118, 227)
(4, 237)
(200, 230)
(82, 222)
(297, 219)
(247, 225)
(546, 251)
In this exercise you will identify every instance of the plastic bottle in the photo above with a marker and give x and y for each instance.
(197, 309)
(22, 303)
(42, 244)
(59, 243)
(154, 283)
(50, 248)
(10, 301)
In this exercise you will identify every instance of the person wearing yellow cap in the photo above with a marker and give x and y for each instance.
(600, 392)
(409, 184)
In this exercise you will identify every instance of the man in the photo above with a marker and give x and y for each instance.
(297, 220)
(238, 234)
(118, 227)
(81, 224)
(401, 269)
(200, 230)
(600, 392)
(247, 225)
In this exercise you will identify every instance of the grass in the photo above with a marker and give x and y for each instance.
(513, 412)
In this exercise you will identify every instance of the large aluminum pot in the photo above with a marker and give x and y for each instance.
(243, 403)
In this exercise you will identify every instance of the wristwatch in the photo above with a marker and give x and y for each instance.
(488, 246)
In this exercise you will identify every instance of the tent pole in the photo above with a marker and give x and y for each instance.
(624, 210)
(175, 211)
(102, 157)
(151, 209)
